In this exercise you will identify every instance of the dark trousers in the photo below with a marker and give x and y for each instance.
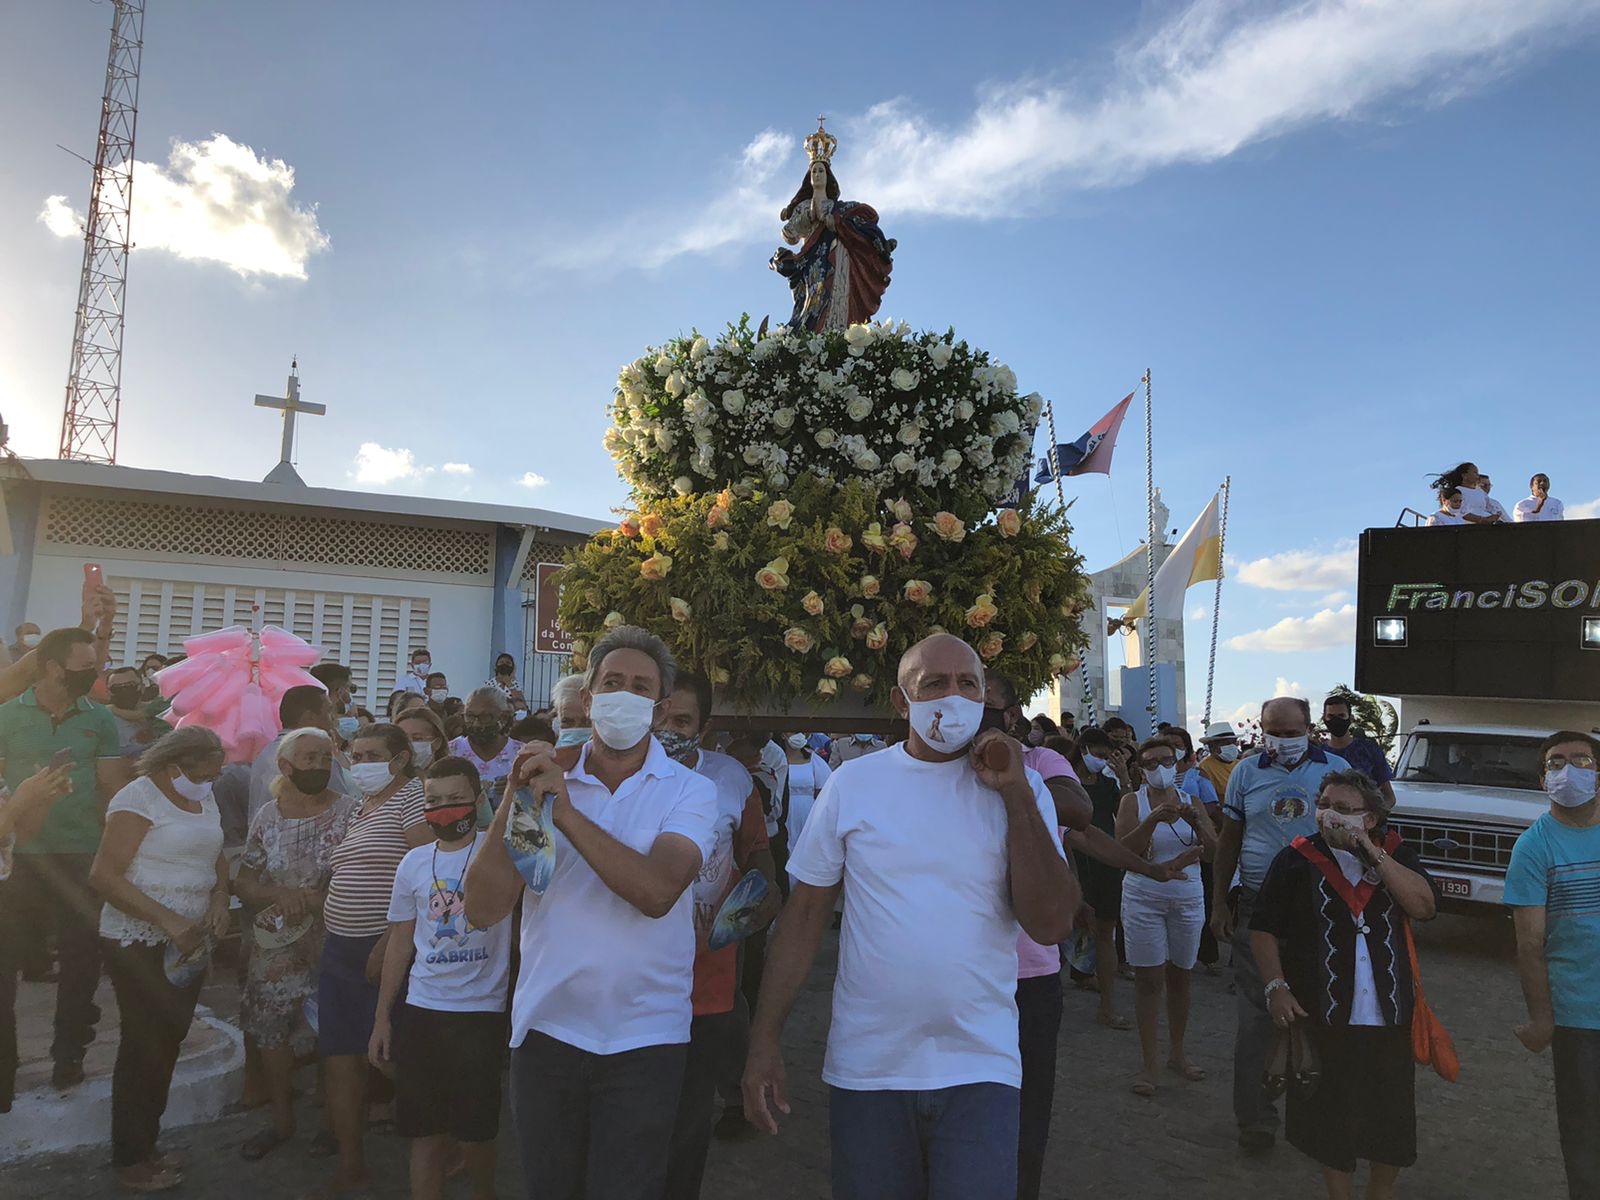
(155, 1018)
(1038, 1028)
(1577, 1063)
(594, 1126)
(955, 1143)
(12, 937)
(717, 1046)
(1208, 943)
(1252, 1107)
(52, 890)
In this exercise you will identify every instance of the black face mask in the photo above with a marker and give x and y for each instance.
(482, 732)
(312, 782)
(993, 718)
(79, 683)
(1338, 726)
(126, 695)
(505, 669)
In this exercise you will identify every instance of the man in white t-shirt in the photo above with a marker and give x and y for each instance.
(446, 1039)
(601, 1016)
(1540, 504)
(1492, 506)
(939, 856)
(720, 1032)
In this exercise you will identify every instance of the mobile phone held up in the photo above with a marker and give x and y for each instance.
(94, 579)
(61, 758)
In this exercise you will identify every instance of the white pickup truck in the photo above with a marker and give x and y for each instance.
(1463, 794)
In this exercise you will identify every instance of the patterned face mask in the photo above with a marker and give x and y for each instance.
(680, 746)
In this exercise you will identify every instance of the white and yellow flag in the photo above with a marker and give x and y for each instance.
(1196, 558)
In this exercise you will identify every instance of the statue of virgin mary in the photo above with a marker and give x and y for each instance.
(841, 270)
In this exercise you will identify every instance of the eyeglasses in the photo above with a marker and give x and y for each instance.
(1582, 761)
(1149, 764)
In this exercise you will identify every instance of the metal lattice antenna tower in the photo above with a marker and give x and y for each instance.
(94, 381)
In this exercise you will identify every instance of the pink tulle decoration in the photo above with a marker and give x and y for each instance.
(231, 683)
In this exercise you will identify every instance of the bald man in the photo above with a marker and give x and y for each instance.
(1270, 801)
(940, 856)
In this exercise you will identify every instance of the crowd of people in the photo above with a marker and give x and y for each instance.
(1464, 499)
(971, 862)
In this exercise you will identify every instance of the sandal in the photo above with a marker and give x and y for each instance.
(262, 1143)
(1188, 1070)
(145, 1179)
(1143, 1087)
(1115, 1021)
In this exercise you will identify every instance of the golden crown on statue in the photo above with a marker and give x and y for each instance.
(821, 144)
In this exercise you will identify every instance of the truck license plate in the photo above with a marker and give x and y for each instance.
(1460, 888)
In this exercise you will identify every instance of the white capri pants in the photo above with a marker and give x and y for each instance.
(1159, 929)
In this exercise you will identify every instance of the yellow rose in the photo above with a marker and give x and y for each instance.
(613, 619)
(919, 591)
(860, 627)
(949, 526)
(680, 608)
(991, 646)
(656, 566)
(1009, 522)
(903, 540)
(780, 513)
(775, 575)
(1028, 641)
(651, 525)
(873, 538)
(837, 667)
(837, 541)
(812, 603)
(716, 516)
(798, 640)
(628, 527)
(725, 499)
(862, 683)
(878, 637)
(1058, 663)
(827, 688)
(982, 612)
(869, 585)
(900, 509)
(720, 542)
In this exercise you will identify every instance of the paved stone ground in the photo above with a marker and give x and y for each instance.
(1491, 1135)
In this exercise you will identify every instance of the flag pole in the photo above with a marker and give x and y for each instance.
(1216, 600)
(1061, 498)
(1150, 554)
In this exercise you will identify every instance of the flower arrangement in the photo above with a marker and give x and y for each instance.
(815, 593)
(876, 402)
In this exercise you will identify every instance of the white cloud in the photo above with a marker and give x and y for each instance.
(1282, 687)
(1333, 598)
(532, 479)
(59, 218)
(1302, 570)
(457, 468)
(216, 201)
(1217, 76)
(1329, 628)
(1199, 613)
(1583, 512)
(379, 464)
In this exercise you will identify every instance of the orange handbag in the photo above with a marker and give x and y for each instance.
(1431, 1044)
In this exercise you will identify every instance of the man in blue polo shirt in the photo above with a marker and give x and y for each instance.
(1355, 747)
(1271, 800)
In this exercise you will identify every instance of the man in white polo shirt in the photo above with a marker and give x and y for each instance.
(600, 1017)
(939, 857)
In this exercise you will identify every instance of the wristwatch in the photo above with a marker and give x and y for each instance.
(1275, 985)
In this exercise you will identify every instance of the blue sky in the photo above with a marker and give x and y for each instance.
(1355, 242)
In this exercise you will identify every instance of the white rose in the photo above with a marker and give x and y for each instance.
(777, 479)
(683, 485)
(826, 382)
(1005, 379)
(858, 408)
(612, 440)
(675, 384)
(733, 401)
(910, 433)
(703, 435)
(663, 364)
(1003, 423)
(783, 418)
(903, 379)
(904, 462)
(951, 459)
(940, 353)
(754, 454)
(925, 472)
(699, 349)
(663, 438)
(859, 337)
(1035, 406)
(964, 411)
(868, 461)
(826, 438)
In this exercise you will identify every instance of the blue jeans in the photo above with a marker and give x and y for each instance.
(956, 1143)
(1577, 1061)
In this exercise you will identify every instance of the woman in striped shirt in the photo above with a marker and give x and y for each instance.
(388, 823)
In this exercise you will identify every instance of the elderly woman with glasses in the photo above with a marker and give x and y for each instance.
(1161, 922)
(1329, 933)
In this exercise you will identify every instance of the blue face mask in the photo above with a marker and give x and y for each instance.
(573, 737)
(348, 727)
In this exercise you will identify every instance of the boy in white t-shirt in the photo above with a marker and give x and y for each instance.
(447, 1038)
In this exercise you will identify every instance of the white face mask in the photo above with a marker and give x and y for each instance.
(30, 640)
(197, 793)
(1570, 786)
(1035, 737)
(797, 741)
(422, 754)
(621, 720)
(947, 724)
(1162, 777)
(1287, 750)
(1330, 818)
(1228, 753)
(1094, 762)
(439, 695)
(421, 669)
(863, 737)
(371, 778)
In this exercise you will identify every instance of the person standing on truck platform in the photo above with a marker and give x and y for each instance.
(1552, 887)
(1356, 748)
(1270, 801)
(1540, 504)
